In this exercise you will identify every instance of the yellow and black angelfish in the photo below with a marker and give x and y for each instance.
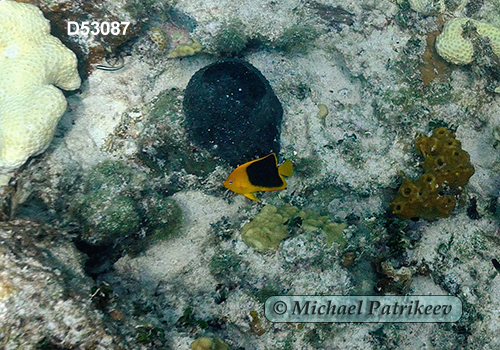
(261, 174)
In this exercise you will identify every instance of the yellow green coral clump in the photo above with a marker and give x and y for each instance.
(451, 45)
(447, 167)
(333, 232)
(269, 228)
(187, 49)
(205, 343)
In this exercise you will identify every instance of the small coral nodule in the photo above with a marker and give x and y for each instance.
(188, 49)
(447, 167)
(205, 343)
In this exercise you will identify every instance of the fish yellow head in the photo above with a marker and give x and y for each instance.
(238, 182)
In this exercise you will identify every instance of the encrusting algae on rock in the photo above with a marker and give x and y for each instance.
(447, 167)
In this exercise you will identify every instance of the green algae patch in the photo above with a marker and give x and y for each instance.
(106, 207)
(298, 37)
(163, 216)
(109, 218)
(231, 39)
(116, 201)
(334, 234)
(162, 143)
(271, 226)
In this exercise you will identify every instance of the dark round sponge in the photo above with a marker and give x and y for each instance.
(232, 111)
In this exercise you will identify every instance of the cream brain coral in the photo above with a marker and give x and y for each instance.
(31, 63)
(455, 48)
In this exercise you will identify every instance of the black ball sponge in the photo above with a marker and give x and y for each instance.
(232, 111)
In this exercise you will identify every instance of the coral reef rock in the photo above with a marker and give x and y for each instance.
(44, 292)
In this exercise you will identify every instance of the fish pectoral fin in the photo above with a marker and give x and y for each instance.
(286, 169)
(251, 196)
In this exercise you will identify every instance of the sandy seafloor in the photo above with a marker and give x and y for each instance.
(365, 67)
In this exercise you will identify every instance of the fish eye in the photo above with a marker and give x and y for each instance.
(230, 181)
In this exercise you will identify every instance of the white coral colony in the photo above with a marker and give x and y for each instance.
(31, 63)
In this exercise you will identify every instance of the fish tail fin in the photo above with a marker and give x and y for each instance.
(286, 169)
(251, 196)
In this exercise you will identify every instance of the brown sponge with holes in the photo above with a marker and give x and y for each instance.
(447, 170)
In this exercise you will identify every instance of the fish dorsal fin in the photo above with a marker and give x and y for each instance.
(286, 169)
(251, 196)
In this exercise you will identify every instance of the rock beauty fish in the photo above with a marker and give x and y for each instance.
(261, 174)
